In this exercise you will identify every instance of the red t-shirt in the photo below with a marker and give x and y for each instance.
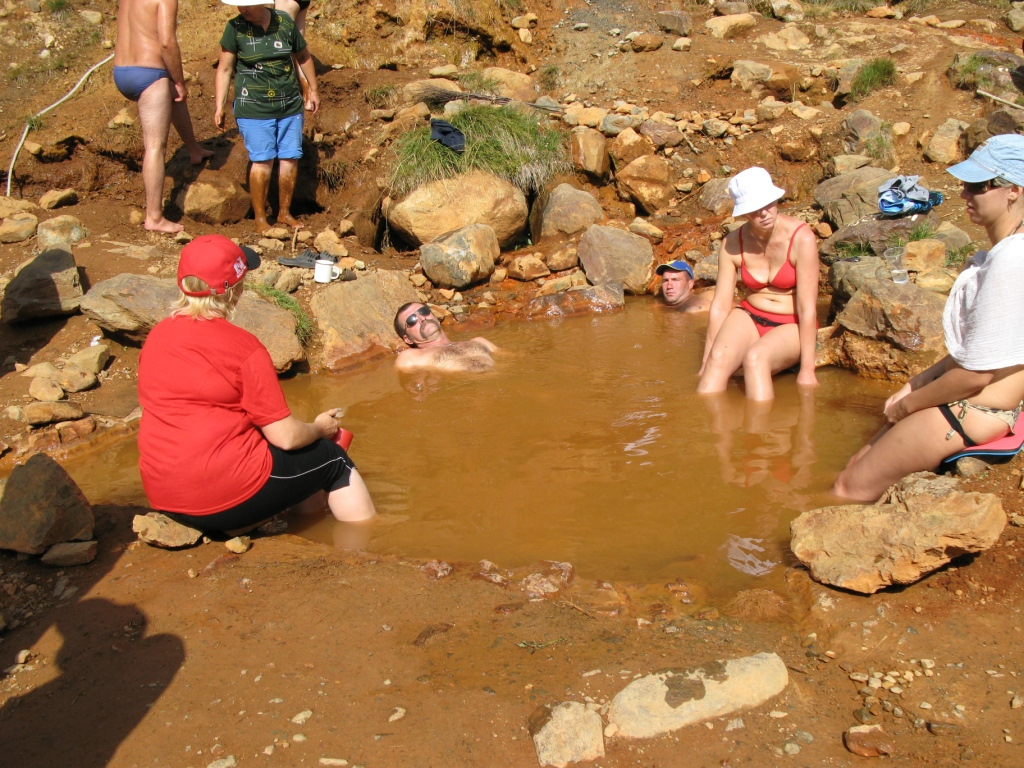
(205, 386)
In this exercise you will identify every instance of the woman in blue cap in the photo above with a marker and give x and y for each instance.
(974, 394)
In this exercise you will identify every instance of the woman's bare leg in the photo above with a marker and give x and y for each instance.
(776, 351)
(913, 444)
(352, 504)
(734, 338)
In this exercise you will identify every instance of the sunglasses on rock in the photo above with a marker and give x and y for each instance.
(414, 318)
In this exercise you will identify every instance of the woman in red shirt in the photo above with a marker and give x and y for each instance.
(218, 446)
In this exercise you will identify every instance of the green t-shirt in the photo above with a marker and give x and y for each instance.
(266, 85)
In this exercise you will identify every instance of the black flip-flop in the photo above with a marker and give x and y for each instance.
(306, 259)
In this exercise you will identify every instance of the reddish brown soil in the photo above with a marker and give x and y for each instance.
(148, 657)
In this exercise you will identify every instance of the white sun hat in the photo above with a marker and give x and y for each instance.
(246, 2)
(751, 190)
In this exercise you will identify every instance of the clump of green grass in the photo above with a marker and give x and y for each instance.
(475, 82)
(878, 144)
(381, 96)
(504, 141)
(958, 256)
(852, 249)
(922, 230)
(971, 73)
(59, 8)
(332, 173)
(856, 6)
(548, 77)
(303, 322)
(877, 73)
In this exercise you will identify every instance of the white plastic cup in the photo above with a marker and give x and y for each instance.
(900, 276)
(324, 271)
(893, 257)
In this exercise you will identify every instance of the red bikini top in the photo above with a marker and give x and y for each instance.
(784, 279)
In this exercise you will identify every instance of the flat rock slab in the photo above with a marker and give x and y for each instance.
(567, 733)
(160, 531)
(669, 700)
(922, 524)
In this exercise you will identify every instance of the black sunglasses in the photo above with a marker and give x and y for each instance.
(978, 187)
(414, 318)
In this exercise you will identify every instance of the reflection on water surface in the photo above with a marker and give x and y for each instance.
(588, 444)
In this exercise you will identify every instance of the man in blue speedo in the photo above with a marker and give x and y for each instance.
(147, 69)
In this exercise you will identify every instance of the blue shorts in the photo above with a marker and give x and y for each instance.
(132, 81)
(275, 137)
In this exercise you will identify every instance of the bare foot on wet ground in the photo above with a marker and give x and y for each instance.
(163, 225)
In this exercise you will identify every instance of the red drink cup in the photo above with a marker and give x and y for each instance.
(343, 438)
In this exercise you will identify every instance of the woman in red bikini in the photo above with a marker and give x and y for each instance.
(775, 326)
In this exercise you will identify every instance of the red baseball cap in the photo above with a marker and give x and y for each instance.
(217, 261)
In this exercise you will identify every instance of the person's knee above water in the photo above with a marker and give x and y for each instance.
(975, 393)
(677, 288)
(261, 48)
(218, 446)
(430, 347)
(775, 257)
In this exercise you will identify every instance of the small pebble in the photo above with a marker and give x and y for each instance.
(303, 717)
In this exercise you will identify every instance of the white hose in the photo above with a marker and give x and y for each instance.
(28, 125)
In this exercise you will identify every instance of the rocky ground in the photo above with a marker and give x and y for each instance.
(198, 657)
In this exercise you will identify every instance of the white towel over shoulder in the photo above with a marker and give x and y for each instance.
(984, 316)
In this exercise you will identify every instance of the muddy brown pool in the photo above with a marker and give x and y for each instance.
(586, 444)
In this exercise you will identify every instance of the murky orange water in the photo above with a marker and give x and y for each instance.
(586, 444)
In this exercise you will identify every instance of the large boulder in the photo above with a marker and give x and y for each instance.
(128, 306)
(60, 232)
(647, 182)
(512, 85)
(45, 286)
(879, 231)
(904, 315)
(589, 151)
(565, 211)
(577, 301)
(922, 523)
(42, 506)
(440, 207)
(627, 146)
(886, 330)
(357, 317)
(610, 255)
(677, 22)
(851, 196)
(462, 258)
(18, 227)
(726, 27)
(666, 701)
(214, 198)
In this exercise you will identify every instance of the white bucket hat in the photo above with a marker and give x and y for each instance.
(246, 2)
(751, 190)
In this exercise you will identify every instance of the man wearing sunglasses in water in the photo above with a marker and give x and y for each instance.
(430, 347)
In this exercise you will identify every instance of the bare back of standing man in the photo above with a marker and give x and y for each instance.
(147, 69)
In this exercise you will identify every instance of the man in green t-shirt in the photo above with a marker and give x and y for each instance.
(261, 47)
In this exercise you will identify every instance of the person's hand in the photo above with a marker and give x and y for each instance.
(218, 117)
(180, 92)
(896, 406)
(806, 378)
(313, 101)
(327, 423)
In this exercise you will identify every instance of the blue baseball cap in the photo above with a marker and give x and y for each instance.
(1000, 156)
(675, 266)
